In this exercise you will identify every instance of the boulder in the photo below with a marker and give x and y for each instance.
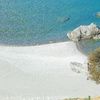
(84, 32)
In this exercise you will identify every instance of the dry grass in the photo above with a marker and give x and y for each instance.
(94, 65)
(89, 98)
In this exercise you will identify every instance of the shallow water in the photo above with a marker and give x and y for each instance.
(88, 46)
(29, 22)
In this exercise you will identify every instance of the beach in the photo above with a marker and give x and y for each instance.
(44, 70)
(44, 47)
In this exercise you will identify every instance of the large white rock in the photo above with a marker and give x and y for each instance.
(84, 32)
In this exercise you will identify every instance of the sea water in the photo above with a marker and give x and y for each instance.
(30, 22)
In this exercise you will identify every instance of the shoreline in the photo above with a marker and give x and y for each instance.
(34, 44)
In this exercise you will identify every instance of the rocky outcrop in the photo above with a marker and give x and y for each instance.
(84, 32)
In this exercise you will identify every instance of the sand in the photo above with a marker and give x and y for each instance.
(44, 71)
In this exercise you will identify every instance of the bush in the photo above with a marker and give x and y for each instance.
(94, 65)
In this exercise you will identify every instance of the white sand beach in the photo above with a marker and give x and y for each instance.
(44, 70)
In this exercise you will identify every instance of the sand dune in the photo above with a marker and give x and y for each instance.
(44, 71)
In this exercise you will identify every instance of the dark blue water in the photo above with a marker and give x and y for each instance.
(29, 22)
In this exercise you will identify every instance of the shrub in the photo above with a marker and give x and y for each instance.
(94, 65)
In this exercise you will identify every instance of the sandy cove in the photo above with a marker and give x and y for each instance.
(44, 70)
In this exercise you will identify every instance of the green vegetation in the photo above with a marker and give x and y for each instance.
(94, 65)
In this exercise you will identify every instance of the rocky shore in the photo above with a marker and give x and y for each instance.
(84, 32)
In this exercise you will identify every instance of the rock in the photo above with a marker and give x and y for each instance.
(98, 14)
(84, 32)
(96, 37)
(76, 67)
(63, 19)
(66, 19)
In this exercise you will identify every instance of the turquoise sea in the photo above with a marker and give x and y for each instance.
(30, 22)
